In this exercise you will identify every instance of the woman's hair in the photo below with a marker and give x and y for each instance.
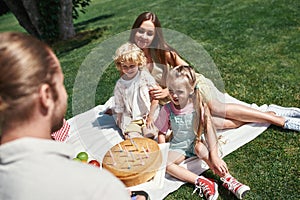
(159, 46)
(129, 52)
(188, 73)
(25, 63)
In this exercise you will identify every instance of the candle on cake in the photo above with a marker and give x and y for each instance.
(120, 147)
(142, 162)
(112, 157)
(146, 154)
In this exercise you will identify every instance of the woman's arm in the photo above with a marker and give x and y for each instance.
(158, 92)
(174, 59)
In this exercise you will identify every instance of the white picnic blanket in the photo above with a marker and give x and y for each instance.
(95, 132)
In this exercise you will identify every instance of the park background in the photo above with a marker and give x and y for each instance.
(256, 47)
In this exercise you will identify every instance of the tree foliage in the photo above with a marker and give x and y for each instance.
(79, 6)
(48, 22)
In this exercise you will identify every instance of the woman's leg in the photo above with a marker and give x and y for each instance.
(221, 123)
(237, 112)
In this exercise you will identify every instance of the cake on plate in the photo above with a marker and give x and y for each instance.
(133, 161)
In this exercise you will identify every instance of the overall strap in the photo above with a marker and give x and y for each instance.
(170, 109)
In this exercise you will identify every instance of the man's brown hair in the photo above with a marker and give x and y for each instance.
(25, 64)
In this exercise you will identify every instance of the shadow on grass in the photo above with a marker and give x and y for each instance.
(79, 40)
(83, 36)
(82, 25)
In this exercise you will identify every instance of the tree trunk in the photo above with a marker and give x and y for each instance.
(65, 20)
(3, 8)
(34, 14)
(18, 9)
(28, 14)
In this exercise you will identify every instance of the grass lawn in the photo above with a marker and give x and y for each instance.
(254, 44)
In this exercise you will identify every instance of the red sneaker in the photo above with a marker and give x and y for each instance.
(237, 188)
(207, 187)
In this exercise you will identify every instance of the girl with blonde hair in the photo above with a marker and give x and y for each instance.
(189, 118)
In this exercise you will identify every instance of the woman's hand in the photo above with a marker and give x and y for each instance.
(158, 93)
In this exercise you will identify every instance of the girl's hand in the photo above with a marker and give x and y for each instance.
(158, 93)
(218, 167)
(161, 138)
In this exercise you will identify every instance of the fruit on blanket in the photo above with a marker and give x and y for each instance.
(77, 159)
(94, 163)
(83, 156)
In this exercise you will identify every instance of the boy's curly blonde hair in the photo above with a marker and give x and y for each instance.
(129, 52)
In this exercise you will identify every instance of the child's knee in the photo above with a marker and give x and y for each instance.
(201, 150)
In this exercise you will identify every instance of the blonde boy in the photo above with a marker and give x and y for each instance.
(135, 109)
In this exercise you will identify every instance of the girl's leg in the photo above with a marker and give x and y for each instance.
(173, 168)
(207, 187)
(229, 182)
(218, 166)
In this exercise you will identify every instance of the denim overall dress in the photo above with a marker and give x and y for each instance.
(183, 133)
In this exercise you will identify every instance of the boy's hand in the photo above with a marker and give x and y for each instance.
(149, 122)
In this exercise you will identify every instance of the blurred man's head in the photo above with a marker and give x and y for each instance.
(30, 80)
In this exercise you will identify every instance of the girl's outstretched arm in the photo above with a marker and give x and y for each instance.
(217, 165)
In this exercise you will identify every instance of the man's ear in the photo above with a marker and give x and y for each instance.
(45, 95)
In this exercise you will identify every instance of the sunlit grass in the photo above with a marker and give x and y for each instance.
(256, 47)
